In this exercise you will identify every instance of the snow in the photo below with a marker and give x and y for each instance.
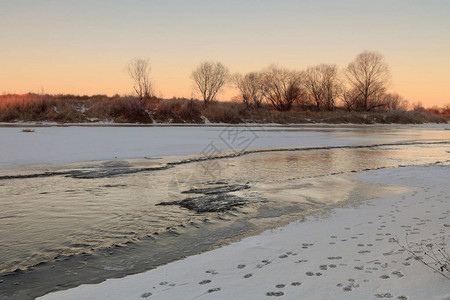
(61, 145)
(67, 144)
(349, 254)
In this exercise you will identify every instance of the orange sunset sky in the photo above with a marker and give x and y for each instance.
(82, 47)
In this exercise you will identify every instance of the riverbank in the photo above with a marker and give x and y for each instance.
(349, 254)
(75, 109)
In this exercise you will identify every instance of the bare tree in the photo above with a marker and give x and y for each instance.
(250, 87)
(139, 70)
(393, 101)
(282, 87)
(321, 83)
(209, 78)
(368, 74)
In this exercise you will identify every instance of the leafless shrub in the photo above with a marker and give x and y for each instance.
(418, 106)
(393, 101)
(178, 111)
(435, 256)
(445, 110)
(219, 112)
(125, 109)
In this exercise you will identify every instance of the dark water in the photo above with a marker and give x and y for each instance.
(108, 226)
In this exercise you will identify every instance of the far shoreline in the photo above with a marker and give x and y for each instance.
(270, 125)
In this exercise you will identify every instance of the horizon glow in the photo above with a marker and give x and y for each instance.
(82, 47)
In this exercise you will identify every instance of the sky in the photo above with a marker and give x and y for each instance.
(83, 47)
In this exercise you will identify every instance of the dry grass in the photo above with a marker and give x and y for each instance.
(178, 111)
(128, 109)
(32, 107)
(228, 112)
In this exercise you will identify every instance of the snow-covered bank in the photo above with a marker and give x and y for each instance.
(61, 145)
(347, 255)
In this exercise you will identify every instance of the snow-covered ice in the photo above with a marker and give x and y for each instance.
(349, 254)
(67, 144)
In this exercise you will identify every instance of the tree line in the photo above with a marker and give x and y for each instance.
(360, 86)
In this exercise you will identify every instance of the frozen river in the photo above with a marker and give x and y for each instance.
(63, 144)
(65, 212)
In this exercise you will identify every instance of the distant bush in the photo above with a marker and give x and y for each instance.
(229, 112)
(178, 111)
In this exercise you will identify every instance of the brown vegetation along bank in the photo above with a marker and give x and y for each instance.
(128, 109)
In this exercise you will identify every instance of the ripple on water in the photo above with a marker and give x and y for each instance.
(64, 215)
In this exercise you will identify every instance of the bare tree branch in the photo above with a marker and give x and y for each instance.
(437, 260)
